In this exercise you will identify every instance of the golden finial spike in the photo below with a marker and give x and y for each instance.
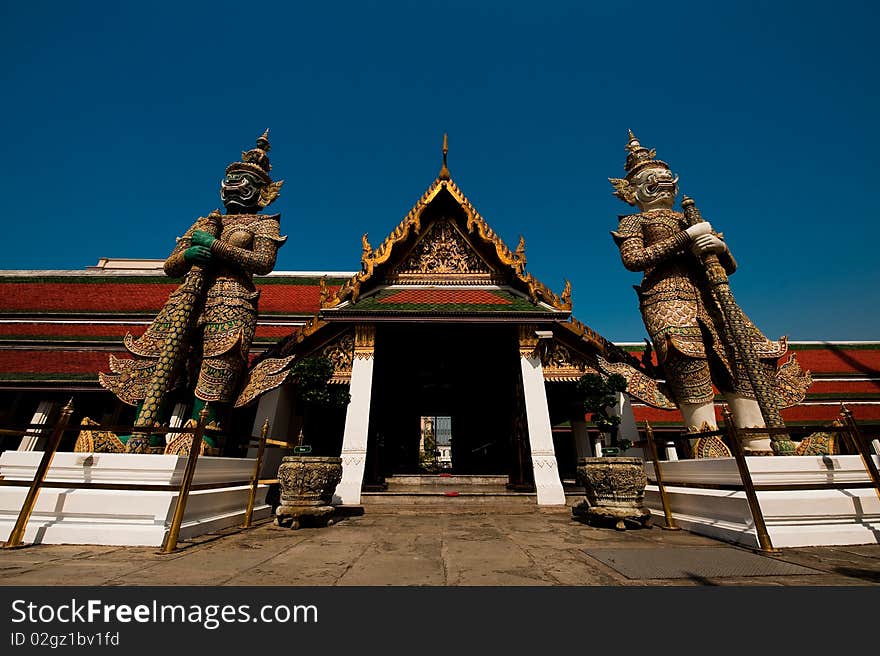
(632, 141)
(263, 141)
(444, 171)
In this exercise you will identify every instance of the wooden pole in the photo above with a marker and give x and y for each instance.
(16, 536)
(667, 510)
(861, 446)
(764, 542)
(186, 483)
(255, 481)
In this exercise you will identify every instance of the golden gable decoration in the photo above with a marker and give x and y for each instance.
(443, 251)
(511, 263)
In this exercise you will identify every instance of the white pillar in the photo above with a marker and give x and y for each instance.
(357, 420)
(178, 418)
(627, 429)
(276, 406)
(34, 437)
(671, 451)
(581, 436)
(547, 482)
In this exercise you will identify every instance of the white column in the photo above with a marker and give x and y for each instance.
(179, 415)
(627, 429)
(34, 437)
(547, 482)
(357, 421)
(276, 406)
(581, 435)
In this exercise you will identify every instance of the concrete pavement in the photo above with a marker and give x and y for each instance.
(419, 547)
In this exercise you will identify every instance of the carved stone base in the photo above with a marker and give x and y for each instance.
(606, 516)
(615, 492)
(307, 486)
(296, 516)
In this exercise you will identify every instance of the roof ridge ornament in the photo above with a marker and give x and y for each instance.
(444, 170)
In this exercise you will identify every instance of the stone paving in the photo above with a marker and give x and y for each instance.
(412, 547)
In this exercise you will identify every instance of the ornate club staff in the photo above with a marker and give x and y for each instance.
(733, 318)
(180, 321)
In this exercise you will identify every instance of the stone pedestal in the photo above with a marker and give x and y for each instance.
(307, 486)
(615, 489)
(124, 517)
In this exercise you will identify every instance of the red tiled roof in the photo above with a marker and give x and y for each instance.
(273, 332)
(128, 296)
(861, 387)
(106, 332)
(291, 299)
(797, 415)
(14, 361)
(77, 297)
(833, 359)
(826, 359)
(33, 330)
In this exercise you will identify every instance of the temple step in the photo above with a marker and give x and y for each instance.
(444, 480)
(450, 492)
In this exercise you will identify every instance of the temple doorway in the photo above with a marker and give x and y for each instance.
(443, 399)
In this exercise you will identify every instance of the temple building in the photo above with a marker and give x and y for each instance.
(456, 357)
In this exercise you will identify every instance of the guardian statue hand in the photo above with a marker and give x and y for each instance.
(202, 238)
(197, 255)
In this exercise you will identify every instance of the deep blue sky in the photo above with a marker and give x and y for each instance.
(118, 120)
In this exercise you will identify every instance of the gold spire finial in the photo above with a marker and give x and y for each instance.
(444, 171)
(632, 141)
(263, 141)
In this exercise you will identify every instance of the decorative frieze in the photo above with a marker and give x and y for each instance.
(364, 341)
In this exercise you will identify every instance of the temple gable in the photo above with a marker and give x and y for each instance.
(442, 250)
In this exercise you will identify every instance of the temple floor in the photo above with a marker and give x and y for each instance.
(444, 546)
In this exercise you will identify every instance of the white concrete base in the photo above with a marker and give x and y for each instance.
(794, 518)
(124, 517)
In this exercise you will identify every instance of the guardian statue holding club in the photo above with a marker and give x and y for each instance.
(198, 344)
(701, 337)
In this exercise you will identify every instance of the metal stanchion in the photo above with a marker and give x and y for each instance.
(255, 481)
(766, 545)
(16, 537)
(861, 446)
(667, 511)
(186, 483)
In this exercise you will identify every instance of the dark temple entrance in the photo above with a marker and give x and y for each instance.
(461, 374)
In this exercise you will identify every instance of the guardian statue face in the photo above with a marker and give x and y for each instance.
(655, 188)
(240, 192)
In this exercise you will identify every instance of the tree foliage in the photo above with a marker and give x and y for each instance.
(312, 378)
(598, 394)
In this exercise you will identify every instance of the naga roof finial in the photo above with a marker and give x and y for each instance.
(444, 170)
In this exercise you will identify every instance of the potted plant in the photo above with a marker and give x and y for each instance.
(614, 484)
(308, 481)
